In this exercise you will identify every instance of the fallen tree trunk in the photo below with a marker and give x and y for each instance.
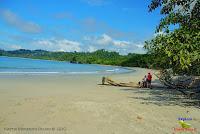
(106, 80)
(181, 83)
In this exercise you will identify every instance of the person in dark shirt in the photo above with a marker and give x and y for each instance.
(149, 78)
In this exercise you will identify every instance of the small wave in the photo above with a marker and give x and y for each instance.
(82, 72)
(46, 73)
(110, 70)
(40, 73)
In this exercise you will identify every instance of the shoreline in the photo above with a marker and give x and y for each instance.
(57, 72)
(78, 104)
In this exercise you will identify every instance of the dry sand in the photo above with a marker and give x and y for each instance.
(78, 105)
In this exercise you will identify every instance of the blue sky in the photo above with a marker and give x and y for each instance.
(76, 25)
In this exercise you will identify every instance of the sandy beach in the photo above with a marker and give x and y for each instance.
(59, 104)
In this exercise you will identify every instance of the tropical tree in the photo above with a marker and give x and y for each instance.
(177, 47)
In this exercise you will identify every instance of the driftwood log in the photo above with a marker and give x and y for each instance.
(108, 81)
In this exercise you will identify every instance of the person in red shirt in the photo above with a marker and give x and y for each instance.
(149, 78)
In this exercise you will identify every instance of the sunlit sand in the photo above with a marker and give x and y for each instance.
(78, 104)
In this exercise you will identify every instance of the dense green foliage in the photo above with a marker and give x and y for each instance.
(180, 48)
(183, 12)
(97, 57)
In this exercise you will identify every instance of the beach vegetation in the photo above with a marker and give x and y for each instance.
(177, 43)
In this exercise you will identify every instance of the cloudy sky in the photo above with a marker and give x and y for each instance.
(76, 25)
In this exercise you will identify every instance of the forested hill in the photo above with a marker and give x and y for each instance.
(97, 57)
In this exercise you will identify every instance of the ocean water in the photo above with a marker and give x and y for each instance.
(14, 65)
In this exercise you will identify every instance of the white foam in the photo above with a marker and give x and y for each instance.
(40, 73)
(82, 72)
(110, 70)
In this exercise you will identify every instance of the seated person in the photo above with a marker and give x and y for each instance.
(140, 84)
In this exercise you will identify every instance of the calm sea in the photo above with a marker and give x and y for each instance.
(13, 65)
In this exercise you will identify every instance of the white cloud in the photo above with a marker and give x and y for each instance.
(15, 47)
(105, 39)
(139, 45)
(12, 19)
(134, 47)
(121, 43)
(92, 48)
(58, 45)
(46, 43)
(9, 46)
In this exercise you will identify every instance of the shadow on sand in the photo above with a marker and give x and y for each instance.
(163, 96)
